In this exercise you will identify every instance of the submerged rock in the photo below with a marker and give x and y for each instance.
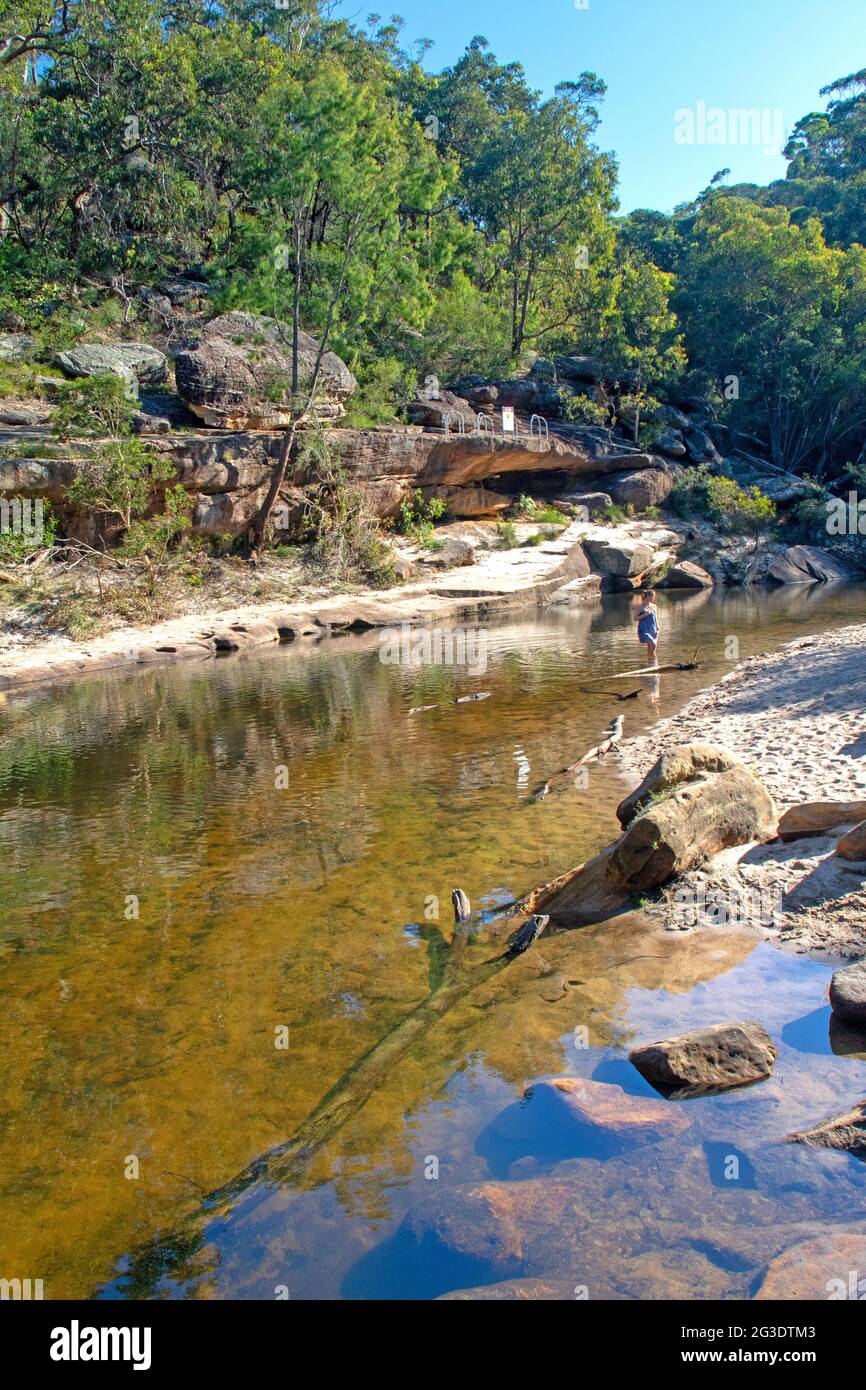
(707, 1060)
(817, 1269)
(607, 1108)
(848, 995)
(556, 1288)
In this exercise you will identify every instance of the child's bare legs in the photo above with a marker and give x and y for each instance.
(652, 648)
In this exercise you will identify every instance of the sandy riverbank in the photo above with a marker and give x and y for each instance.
(797, 718)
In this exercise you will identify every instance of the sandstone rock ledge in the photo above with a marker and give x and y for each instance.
(500, 582)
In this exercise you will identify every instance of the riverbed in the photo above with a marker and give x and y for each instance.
(222, 884)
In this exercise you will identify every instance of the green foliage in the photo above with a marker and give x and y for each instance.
(580, 410)
(418, 517)
(17, 544)
(346, 539)
(507, 535)
(95, 405)
(698, 493)
(384, 388)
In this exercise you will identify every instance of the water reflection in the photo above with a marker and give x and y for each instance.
(165, 908)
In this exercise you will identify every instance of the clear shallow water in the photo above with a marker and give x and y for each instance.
(152, 1037)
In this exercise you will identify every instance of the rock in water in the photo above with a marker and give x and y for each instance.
(817, 1269)
(846, 1132)
(848, 994)
(238, 376)
(685, 574)
(606, 1108)
(707, 1060)
(806, 564)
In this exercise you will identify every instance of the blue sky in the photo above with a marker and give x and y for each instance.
(658, 58)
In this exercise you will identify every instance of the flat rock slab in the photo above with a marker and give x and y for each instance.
(707, 1060)
(817, 817)
(847, 1133)
(848, 995)
(816, 1269)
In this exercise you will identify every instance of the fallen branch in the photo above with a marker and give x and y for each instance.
(594, 755)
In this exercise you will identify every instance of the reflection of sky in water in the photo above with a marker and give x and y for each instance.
(306, 908)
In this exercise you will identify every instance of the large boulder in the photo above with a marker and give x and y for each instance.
(238, 376)
(585, 504)
(670, 443)
(806, 564)
(643, 488)
(685, 574)
(848, 994)
(707, 1060)
(701, 448)
(852, 846)
(435, 411)
(697, 801)
(146, 365)
(624, 559)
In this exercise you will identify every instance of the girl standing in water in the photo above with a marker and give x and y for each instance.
(648, 624)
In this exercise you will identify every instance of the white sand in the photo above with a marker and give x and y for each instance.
(798, 719)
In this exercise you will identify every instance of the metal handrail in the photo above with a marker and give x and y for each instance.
(541, 422)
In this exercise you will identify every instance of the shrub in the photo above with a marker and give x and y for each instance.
(346, 537)
(507, 535)
(733, 509)
(382, 393)
(580, 410)
(417, 517)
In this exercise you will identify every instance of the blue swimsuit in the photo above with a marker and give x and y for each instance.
(648, 628)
